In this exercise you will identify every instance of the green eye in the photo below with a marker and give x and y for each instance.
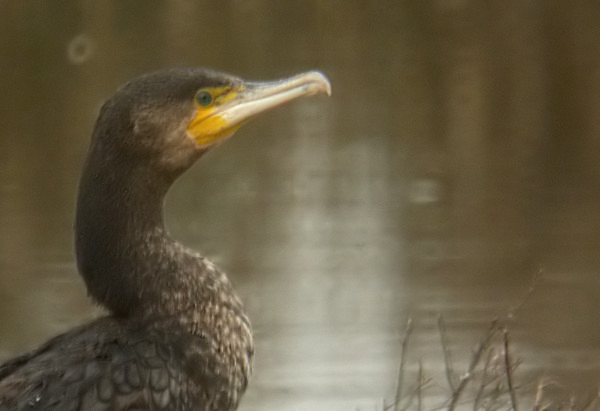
(204, 98)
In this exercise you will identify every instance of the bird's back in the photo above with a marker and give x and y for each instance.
(105, 365)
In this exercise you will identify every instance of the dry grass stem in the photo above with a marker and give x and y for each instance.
(415, 393)
(490, 381)
(508, 367)
(404, 348)
(533, 285)
(421, 385)
(486, 379)
(450, 377)
(468, 376)
(594, 403)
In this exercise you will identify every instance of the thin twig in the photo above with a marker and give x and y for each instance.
(468, 376)
(539, 394)
(508, 369)
(404, 348)
(538, 405)
(535, 280)
(447, 359)
(421, 384)
(415, 393)
(591, 404)
(484, 380)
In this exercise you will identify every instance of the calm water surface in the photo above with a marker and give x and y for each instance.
(457, 157)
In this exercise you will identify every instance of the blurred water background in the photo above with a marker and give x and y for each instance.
(457, 157)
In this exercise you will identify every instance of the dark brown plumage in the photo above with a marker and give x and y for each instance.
(176, 336)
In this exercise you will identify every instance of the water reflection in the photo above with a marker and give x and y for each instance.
(457, 155)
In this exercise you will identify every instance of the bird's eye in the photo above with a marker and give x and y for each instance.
(204, 98)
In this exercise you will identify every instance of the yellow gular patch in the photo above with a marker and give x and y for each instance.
(207, 126)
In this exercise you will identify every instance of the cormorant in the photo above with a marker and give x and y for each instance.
(176, 335)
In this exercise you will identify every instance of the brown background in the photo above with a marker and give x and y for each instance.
(458, 155)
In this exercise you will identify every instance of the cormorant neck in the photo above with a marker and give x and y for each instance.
(120, 239)
(133, 268)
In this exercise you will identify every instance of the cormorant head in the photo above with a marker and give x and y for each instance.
(169, 118)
